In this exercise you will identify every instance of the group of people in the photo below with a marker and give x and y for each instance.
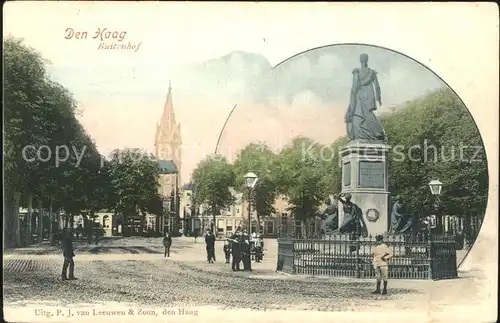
(240, 247)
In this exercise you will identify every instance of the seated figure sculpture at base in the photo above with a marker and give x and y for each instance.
(353, 221)
(330, 217)
(401, 221)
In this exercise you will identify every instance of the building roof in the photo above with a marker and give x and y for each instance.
(167, 167)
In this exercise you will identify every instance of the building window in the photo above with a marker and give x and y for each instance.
(220, 225)
(270, 227)
(229, 225)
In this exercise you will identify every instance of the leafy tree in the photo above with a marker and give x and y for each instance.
(135, 175)
(212, 180)
(24, 79)
(302, 178)
(260, 159)
(38, 112)
(434, 137)
(331, 159)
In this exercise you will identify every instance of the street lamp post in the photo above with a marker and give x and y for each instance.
(435, 187)
(250, 181)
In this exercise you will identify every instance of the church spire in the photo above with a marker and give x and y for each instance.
(168, 118)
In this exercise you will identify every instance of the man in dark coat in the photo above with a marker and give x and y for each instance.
(167, 243)
(245, 253)
(236, 252)
(68, 254)
(210, 242)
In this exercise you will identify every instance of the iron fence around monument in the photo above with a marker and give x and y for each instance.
(345, 255)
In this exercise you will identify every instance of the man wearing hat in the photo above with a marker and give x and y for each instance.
(235, 250)
(381, 254)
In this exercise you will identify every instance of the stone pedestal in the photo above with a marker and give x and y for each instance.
(365, 177)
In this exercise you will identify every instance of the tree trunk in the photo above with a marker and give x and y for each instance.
(16, 239)
(87, 227)
(29, 217)
(214, 224)
(258, 225)
(40, 220)
(71, 223)
(59, 220)
(142, 215)
(303, 228)
(8, 219)
(50, 217)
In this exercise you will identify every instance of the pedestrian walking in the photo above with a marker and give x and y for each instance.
(381, 254)
(167, 243)
(68, 254)
(210, 244)
(195, 235)
(227, 250)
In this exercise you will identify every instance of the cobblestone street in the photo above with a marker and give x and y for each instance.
(133, 271)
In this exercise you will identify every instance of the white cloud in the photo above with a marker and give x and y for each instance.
(306, 99)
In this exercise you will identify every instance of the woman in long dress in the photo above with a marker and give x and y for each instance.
(365, 93)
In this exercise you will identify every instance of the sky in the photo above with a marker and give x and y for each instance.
(214, 62)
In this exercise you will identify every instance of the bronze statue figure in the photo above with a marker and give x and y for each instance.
(330, 217)
(401, 221)
(353, 221)
(360, 119)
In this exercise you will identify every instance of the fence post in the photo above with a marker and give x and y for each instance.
(430, 254)
(294, 269)
(358, 271)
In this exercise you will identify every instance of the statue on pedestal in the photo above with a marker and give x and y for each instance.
(401, 221)
(362, 124)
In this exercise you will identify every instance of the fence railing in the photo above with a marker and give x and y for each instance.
(344, 255)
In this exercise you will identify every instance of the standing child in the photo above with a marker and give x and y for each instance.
(227, 250)
(259, 249)
(381, 253)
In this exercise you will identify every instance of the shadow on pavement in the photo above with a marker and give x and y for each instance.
(122, 250)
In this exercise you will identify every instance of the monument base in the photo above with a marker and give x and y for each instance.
(365, 177)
